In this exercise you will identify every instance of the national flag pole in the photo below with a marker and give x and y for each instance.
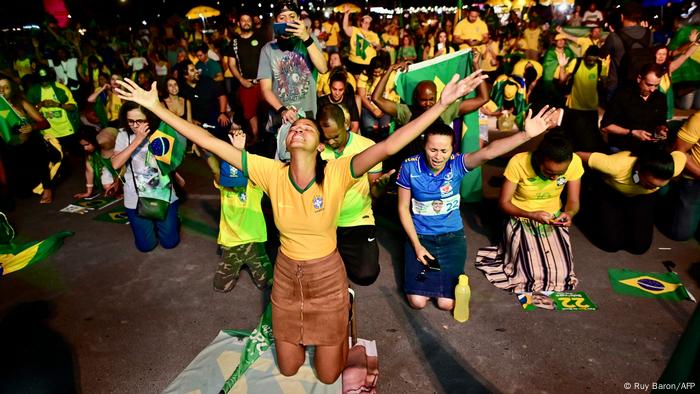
(458, 14)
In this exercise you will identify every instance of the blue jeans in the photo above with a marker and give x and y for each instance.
(148, 232)
(450, 250)
(679, 215)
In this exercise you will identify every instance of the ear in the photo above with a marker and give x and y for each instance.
(321, 147)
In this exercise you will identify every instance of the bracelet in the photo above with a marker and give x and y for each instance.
(89, 185)
(308, 42)
(629, 132)
(281, 110)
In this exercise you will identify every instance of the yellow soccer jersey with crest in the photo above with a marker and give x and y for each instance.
(357, 205)
(306, 218)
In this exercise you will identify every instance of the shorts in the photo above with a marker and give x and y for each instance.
(250, 100)
(358, 248)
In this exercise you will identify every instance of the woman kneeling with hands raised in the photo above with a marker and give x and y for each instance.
(310, 303)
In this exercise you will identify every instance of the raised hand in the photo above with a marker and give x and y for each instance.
(237, 138)
(693, 36)
(130, 91)
(142, 131)
(454, 89)
(538, 124)
(562, 59)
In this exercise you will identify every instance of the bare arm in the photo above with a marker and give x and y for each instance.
(678, 61)
(149, 99)
(346, 24)
(407, 223)
(641, 135)
(474, 103)
(93, 97)
(387, 106)
(367, 159)
(534, 126)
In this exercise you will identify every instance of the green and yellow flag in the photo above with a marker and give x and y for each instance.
(168, 147)
(440, 70)
(15, 257)
(665, 286)
(9, 120)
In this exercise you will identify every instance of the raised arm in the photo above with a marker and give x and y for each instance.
(149, 99)
(367, 159)
(534, 126)
(387, 106)
(686, 54)
(93, 97)
(346, 22)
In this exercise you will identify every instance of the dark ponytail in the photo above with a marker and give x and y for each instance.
(320, 170)
(654, 159)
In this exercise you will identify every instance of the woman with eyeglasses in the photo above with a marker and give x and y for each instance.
(143, 178)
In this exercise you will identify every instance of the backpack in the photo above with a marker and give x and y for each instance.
(637, 55)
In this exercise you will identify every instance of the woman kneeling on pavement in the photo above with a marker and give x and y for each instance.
(535, 254)
(429, 198)
(310, 304)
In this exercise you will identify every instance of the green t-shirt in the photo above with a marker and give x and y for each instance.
(242, 220)
(356, 209)
(403, 113)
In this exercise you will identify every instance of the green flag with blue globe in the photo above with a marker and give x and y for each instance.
(168, 147)
(666, 285)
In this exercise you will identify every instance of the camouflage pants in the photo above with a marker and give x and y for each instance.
(234, 258)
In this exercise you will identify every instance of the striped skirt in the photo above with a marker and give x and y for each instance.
(532, 257)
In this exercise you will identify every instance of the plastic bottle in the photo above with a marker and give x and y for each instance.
(462, 296)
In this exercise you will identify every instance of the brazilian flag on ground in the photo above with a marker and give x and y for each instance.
(168, 147)
(665, 285)
(440, 70)
(15, 257)
(9, 120)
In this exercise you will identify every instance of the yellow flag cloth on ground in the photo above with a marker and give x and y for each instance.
(15, 257)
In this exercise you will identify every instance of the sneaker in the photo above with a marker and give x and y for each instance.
(225, 277)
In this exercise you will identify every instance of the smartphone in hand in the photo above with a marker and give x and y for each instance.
(433, 264)
(280, 29)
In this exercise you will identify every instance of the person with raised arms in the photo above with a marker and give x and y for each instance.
(310, 303)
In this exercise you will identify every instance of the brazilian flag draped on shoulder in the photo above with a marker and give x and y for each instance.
(666, 286)
(15, 257)
(440, 70)
(168, 147)
(9, 121)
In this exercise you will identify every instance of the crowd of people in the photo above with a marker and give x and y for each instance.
(306, 112)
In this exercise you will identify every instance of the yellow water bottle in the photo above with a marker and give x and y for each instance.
(462, 296)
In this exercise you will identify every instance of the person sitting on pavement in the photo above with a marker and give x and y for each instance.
(100, 177)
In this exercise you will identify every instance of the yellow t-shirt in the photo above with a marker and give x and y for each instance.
(532, 39)
(584, 93)
(361, 49)
(617, 170)
(357, 205)
(584, 43)
(113, 105)
(332, 29)
(486, 56)
(521, 65)
(323, 83)
(391, 39)
(690, 133)
(534, 193)
(57, 117)
(390, 91)
(470, 31)
(306, 219)
(242, 221)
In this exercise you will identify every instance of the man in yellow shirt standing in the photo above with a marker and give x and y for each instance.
(531, 36)
(331, 29)
(470, 32)
(363, 43)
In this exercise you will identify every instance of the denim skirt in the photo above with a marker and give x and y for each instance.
(450, 249)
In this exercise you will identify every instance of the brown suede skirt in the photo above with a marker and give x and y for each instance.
(310, 303)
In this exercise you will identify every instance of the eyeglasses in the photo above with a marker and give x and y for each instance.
(136, 122)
